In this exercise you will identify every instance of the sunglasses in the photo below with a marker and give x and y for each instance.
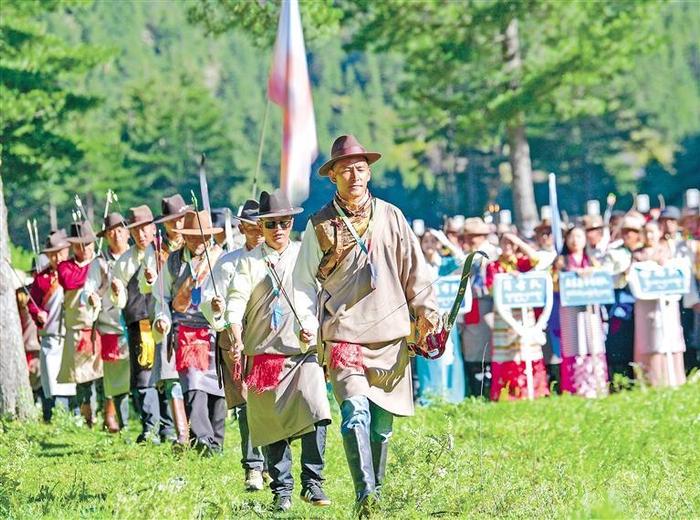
(272, 224)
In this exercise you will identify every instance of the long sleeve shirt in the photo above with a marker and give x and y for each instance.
(223, 274)
(99, 276)
(126, 267)
(48, 295)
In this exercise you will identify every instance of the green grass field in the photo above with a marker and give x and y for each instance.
(632, 455)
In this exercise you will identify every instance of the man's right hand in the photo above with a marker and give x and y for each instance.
(159, 325)
(150, 275)
(41, 318)
(115, 285)
(217, 305)
(305, 336)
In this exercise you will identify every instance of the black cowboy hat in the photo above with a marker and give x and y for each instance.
(248, 210)
(276, 204)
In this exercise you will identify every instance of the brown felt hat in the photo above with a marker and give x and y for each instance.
(172, 208)
(198, 222)
(56, 241)
(139, 216)
(347, 146)
(81, 233)
(110, 222)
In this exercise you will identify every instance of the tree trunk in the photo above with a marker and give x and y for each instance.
(15, 392)
(519, 149)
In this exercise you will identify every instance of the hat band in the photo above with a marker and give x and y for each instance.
(351, 150)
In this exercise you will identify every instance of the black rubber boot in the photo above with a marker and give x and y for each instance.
(359, 454)
(380, 451)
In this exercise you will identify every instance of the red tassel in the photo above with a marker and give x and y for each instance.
(192, 348)
(346, 355)
(265, 373)
(110, 347)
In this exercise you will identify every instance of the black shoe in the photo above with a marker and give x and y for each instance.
(314, 495)
(143, 438)
(282, 503)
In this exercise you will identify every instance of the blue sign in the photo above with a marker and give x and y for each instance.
(650, 281)
(595, 287)
(446, 291)
(521, 290)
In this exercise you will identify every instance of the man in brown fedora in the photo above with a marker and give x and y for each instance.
(172, 218)
(178, 295)
(115, 347)
(212, 307)
(82, 359)
(360, 281)
(286, 387)
(128, 275)
(46, 309)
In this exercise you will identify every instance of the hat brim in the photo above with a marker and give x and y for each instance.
(372, 157)
(103, 232)
(245, 220)
(138, 224)
(56, 249)
(167, 218)
(82, 240)
(206, 231)
(282, 213)
(478, 231)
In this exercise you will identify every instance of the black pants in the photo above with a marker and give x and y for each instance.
(279, 461)
(251, 457)
(207, 415)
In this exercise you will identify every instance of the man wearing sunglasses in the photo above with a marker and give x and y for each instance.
(286, 386)
(213, 309)
(362, 272)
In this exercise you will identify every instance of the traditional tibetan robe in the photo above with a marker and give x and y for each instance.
(584, 369)
(508, 350)
(82, 356)
(224, 271)
(364, 305)
(193, 341)
(47, 292)
(135, 308)
(286, 385)
(164, 368)
(111, 326)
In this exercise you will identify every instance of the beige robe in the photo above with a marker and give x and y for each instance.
(379, 319)
(299, 401)
(78, 367)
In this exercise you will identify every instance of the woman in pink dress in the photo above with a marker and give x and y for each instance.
(584, 370)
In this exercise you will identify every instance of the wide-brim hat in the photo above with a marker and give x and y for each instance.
(670, 213)
(276, 204)
(172, 208)
(476, 226)
(139, 216)
(544, 224)
(347, 146)
(247, 212)
(591, 222)
(198, 223)
(632, 222)
(56, 241)
(112, 221)
(81, 233)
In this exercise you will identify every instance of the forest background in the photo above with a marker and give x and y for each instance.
(126, 95)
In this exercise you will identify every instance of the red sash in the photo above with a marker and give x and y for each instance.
(110, 347)
(192, 348)
(346, 355)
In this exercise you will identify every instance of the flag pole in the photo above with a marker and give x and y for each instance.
(258, 164)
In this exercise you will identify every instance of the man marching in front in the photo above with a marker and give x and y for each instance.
(360, 280)
(286, 387)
